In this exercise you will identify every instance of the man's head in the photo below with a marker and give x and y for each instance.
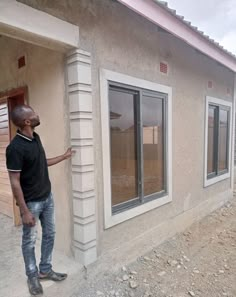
(23, 116)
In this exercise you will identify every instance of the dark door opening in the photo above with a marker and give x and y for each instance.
(8, 100)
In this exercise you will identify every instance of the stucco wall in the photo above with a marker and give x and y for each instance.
(120, 40)
(44, 76)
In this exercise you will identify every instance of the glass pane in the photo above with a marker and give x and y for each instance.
(124, 170)
(211, 139)
(153, 145)
(223, 139)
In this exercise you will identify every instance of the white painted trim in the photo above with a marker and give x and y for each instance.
(217, 101)
(106, 76)
(233, 134)
(23, 22)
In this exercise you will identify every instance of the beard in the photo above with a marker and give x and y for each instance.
(35, 123)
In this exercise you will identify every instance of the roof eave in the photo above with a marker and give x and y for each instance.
(174, 24)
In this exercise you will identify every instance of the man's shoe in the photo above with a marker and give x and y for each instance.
(34, 285)
(54, 276)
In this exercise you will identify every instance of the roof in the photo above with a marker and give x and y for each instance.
(166, 18)
(190, 25)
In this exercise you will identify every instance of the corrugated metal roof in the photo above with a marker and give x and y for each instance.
(164, 5)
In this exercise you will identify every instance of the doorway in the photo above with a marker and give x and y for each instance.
(8, 100)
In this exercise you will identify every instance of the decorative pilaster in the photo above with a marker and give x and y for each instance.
(81, 127)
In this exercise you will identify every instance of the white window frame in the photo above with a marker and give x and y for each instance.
(219, 102)
(107, 76)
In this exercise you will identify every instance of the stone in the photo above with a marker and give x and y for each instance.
(178, 266)
(186, 258)
(191, 293)
(125, 277)
(226, 267)
(147, 294)
(172, 263)
(133, 284)
(161, 273)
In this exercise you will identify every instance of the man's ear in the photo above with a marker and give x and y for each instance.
(27, 122)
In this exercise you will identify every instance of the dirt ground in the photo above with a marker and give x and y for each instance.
(199, 262)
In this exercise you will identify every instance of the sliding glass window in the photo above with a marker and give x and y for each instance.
(218, 140)
(137, 145)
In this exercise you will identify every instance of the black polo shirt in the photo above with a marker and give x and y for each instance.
(27, 156)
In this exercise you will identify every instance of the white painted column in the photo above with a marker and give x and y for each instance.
(81, 126)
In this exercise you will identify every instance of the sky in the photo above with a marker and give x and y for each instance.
(216, 18)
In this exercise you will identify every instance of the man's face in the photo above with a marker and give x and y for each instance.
(33, 118)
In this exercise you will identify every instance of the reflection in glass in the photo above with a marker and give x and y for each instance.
(211, 139)
(153, 145)
(124, 173)
(223, 138)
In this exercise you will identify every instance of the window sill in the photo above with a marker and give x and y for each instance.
(214, 180)
(112, 220)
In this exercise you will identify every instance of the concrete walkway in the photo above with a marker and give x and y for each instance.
(12, 277)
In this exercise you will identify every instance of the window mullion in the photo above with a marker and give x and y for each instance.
(217, 140)
(140, 149)
(227, 144)
(165, 128)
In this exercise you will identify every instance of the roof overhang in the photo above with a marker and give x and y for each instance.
(160, 16)
(22, 22)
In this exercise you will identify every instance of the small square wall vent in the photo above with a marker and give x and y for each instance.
(210, 84)
(163, 67)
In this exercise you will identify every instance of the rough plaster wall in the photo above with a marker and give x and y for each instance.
(122, 41)
(44, 76)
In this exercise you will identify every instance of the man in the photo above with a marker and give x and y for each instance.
(28, 171)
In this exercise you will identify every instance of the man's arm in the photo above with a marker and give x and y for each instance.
(56, 160)
(27, 217)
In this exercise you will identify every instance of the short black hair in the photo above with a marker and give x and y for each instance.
(18, 115)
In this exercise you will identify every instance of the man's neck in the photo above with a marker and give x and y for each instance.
(27, 131)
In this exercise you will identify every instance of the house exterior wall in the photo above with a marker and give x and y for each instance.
(44, 77)
(121, 41)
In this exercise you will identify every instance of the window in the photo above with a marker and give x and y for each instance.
(137, 145)
(137, 150)
(218, 140)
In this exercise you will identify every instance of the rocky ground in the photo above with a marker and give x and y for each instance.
(199, 262)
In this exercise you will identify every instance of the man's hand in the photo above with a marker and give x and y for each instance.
(68, 154)
(28, 219)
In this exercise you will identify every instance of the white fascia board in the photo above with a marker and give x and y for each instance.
(159, 16)
(23, 22)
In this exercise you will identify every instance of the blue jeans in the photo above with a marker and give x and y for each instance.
(43, 211)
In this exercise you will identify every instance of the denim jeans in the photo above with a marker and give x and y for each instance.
(43, 211)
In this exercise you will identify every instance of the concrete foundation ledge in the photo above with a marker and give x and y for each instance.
(130, 251)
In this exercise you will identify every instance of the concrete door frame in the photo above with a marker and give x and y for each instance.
(50, 32)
